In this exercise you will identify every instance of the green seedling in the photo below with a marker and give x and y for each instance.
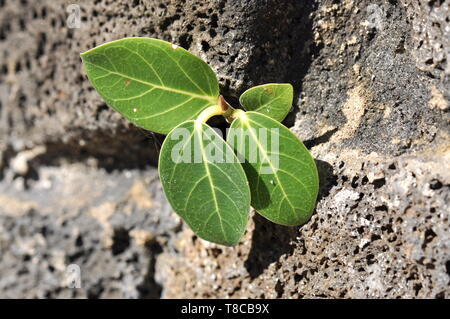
(211, 183)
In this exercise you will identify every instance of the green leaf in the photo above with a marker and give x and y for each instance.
(204, 183)
(273, 100)
(154, 84)
(283, 176)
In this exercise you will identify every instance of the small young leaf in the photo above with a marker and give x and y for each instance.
(273, 100)
(208, 191)
(282, 174)
(154, 84)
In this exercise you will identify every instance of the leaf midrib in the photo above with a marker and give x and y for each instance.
(262, 105)
(269, 102)
(271, 166)
(282, 154)
(211, 185)
(208, 98)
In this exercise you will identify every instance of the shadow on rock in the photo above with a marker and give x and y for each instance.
(284, 46)
(270, 241)
(321, 139)
(132, 148)
(327, 179)
(149, 288)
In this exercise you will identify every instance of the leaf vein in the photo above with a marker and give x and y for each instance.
(210, 99)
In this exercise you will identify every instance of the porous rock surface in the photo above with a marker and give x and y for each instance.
(78, 185)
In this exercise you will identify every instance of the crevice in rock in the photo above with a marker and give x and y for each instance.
(135, 149)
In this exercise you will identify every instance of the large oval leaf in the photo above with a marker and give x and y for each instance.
(204, 183)
(282, 174)
(273, 100)
(154, 84)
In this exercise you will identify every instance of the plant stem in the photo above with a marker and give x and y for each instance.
(209, 112)
(234, 115)
(221, 108)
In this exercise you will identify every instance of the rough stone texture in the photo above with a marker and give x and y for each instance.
(431, 37)
(77, 185)
(110, 224)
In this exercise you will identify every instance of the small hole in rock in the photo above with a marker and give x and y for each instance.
(354, 181)
(205, 46)
(435, 184)
(381, 208)
(440, 295)
(121, 241)
(447, 267)
(364, 180)
(378, 183)
(375, 237)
